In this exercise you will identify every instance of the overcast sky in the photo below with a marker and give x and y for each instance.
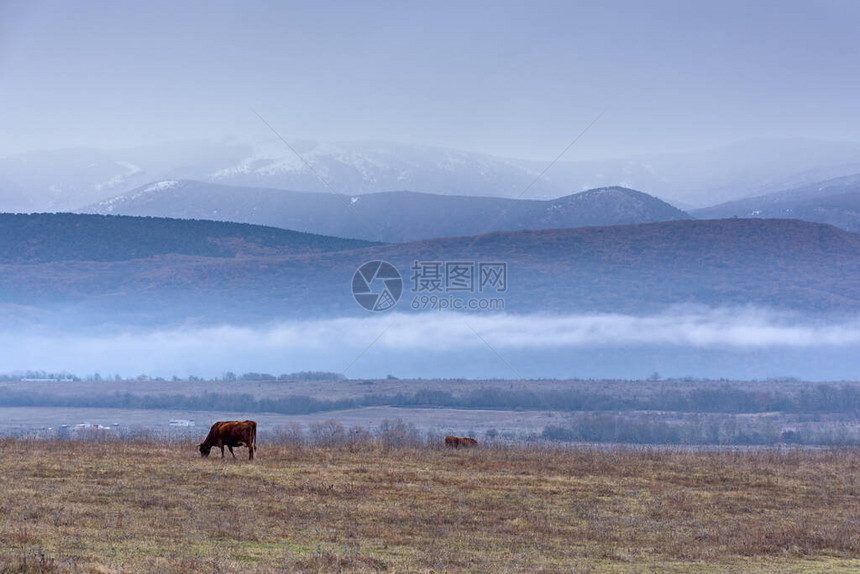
(520, 80)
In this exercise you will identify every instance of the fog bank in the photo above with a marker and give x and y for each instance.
(739, 343)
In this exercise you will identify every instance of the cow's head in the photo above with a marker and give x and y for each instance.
(204, 449)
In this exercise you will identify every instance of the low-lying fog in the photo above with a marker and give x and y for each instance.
(742, 343)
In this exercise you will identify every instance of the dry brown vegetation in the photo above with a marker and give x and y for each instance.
(158, 507)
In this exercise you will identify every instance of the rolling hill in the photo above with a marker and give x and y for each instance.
(835, 201)
(782, 264)
(56, 237)
(390, 216)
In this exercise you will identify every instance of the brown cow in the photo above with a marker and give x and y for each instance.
(457, 442)
(230, 434)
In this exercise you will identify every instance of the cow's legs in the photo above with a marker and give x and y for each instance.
(230, 446)
(222, 450)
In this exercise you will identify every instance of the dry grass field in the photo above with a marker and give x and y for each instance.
(158, 507)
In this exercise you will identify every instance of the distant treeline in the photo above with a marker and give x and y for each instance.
(38, 376)
(820, 398)
(285, 378)
(816, 399)
(228, 377)
(699, 429)
(202, 402)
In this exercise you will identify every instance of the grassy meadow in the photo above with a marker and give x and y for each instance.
(129, 506)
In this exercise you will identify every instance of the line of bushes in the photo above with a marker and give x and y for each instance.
(818, 399)
(710, 429)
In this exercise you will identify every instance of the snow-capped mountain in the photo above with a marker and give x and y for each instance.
(356, 168)
(388, 216)
(69, 179)
(695, 179)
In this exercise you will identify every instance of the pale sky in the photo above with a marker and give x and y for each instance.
(511, 79)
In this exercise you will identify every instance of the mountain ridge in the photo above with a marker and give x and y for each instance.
(395, 216)
(791, 265)
(835, 201)
(63, 180)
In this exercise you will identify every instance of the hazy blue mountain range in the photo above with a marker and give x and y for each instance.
(70, 179)
(243, 273)
(388, 216)
(836, 201)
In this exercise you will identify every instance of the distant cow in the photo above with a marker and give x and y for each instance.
(230, 434)
(457, 442)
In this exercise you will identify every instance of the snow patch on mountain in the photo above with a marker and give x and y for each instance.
(367, 167)
(116, 204)
(157, 186)
(119, 179)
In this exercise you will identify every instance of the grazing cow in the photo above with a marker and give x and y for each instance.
(230, 434)
(458, 442)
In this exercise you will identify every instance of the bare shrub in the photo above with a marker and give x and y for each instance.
(399, 434)
(435, 439)
(328, 433)
(358, 436)
(93, 434)
(287, 435)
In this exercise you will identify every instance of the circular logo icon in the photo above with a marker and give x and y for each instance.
(377, 286)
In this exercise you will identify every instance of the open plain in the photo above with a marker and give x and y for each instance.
(368, 506)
